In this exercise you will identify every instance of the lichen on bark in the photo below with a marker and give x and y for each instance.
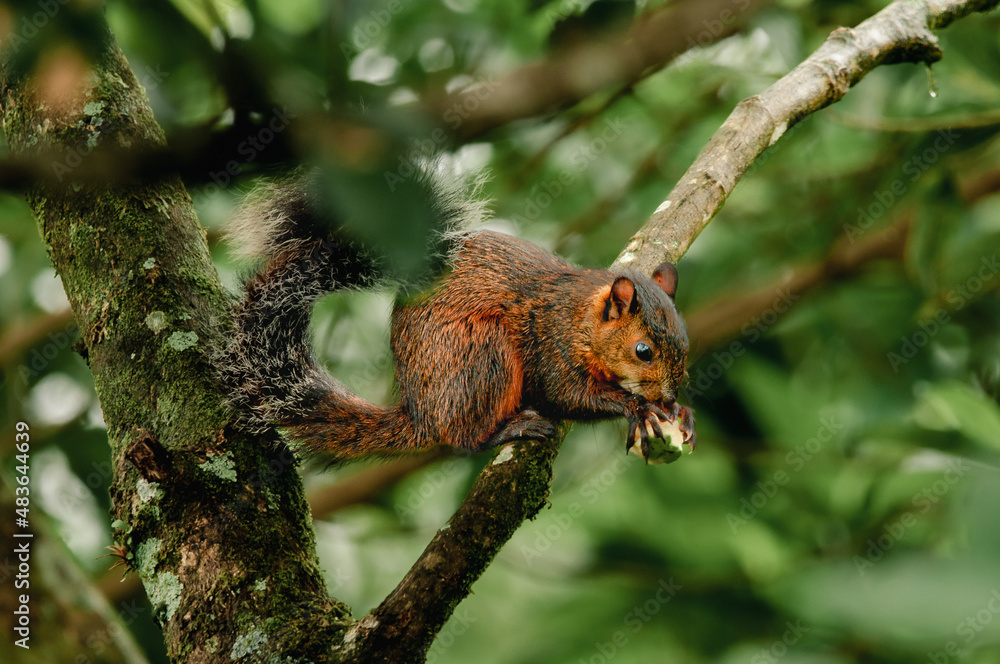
(130, 253)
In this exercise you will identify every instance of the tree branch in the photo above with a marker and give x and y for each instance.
(17, 340)
(573, 75)
(898, 33)
(511, 489)
(723, 319)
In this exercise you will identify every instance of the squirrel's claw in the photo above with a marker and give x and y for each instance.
(653, 428)
(642, 427)
(686, 416)
(658, 412)
(638, 434)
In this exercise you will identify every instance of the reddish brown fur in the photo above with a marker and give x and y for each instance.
(512, 335)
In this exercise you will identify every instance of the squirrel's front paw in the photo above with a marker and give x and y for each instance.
(657, 435)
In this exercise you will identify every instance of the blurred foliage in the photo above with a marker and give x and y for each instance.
(839, 506)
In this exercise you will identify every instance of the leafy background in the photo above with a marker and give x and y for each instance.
(839, 506)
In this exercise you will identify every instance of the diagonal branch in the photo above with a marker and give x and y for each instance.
(899, 33)
(511, 489)
(568, 77)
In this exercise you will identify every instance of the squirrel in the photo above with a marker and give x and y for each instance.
(510, 340)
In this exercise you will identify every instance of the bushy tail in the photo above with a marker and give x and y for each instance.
(268, 365)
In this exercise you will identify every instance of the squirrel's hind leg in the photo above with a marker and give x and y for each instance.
(526, 425)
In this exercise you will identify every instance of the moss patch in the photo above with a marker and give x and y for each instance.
(180, 341)
(220, 465)
(165, 595)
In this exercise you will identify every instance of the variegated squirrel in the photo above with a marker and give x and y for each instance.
(509, 340)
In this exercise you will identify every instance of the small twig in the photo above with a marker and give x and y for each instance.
(919, 125)
(17, 340)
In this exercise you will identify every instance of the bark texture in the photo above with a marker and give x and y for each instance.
(511, 489)
(214, 523)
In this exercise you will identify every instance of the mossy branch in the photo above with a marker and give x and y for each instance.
(512, 488)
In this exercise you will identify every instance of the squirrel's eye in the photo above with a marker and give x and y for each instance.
(643, 351)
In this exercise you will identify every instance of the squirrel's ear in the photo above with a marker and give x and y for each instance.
(666, 277)
(621, 299)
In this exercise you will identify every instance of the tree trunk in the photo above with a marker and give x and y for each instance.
(214, 522)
